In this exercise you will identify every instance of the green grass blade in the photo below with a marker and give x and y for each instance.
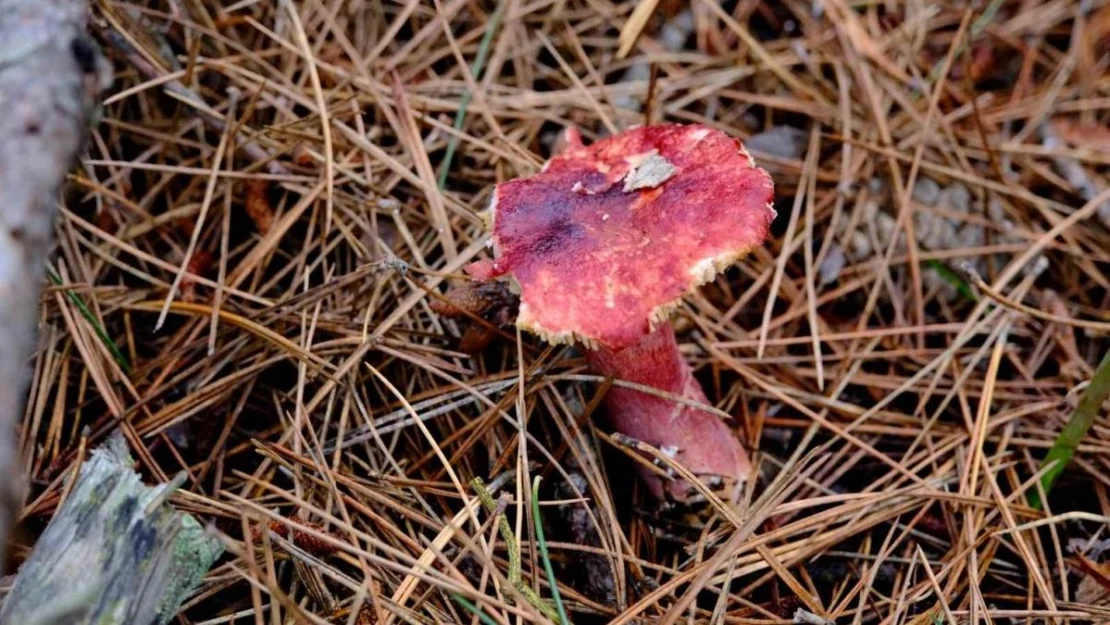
(953, 279)
(120, 359)
(541, 542)
(464, 102)
(1090, 403)
(475, 610)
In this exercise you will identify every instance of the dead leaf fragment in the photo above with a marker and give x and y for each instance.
(257, 205)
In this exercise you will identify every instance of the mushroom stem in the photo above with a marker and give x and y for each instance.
(698, 440)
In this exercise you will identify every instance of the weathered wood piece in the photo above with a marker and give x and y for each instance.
(50, 74)
(115, 553)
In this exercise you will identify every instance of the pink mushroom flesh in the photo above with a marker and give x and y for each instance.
(606, 240)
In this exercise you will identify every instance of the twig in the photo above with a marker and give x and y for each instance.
(115, 553)
(50, 76)
(981, 284)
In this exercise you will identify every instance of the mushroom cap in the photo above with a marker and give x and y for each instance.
(606, 240)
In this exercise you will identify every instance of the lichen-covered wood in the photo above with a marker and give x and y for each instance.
(115, 553)
(50, 75)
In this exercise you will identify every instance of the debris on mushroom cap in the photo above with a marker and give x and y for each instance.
(608, 237)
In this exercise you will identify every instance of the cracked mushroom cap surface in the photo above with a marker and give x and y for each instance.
(606, 240)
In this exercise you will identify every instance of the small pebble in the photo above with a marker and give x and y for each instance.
(955, 197)
(831, 265)
(926, 191)
(780, 141)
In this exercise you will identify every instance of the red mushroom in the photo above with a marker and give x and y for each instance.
(605, 241)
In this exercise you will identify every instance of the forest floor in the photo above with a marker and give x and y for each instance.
(253, 254)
